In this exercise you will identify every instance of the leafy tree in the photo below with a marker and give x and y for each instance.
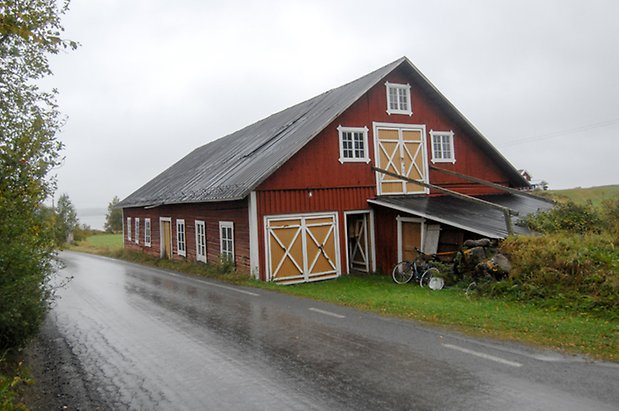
(66, 220)
(29, 122)
(114, 217)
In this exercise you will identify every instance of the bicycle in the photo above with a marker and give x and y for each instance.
(420, 269)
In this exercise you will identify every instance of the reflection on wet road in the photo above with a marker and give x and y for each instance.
(148, 339)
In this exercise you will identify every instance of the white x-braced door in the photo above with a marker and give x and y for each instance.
(401, 150)
(302, 248)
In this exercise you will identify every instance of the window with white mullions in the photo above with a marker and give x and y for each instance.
(353, 144)
(226, 238)
(180, 238)
(442, 146)
(128, 228)
(399, 98)
(147, 233)
(137, 231)
(200, 241)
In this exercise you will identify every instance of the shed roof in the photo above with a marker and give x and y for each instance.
(477, 218)
(231, 167)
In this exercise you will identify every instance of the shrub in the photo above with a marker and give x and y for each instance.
(82, 232)
(26, 267)
(446, 272)
(574, 265)
(12, 377)
(610, 215)
(568, 217)
(561, 270)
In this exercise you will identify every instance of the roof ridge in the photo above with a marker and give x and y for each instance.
(233, 165)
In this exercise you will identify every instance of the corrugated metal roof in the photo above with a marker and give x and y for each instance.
(477, 218)
(230, 167)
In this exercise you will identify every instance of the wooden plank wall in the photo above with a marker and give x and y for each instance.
(210, 213)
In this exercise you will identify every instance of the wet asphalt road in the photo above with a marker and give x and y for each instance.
(149, 339)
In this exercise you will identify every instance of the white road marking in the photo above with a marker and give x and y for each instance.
(317, 310)
(232, 289)
(207, 283)
(546, 356)
(483, 355)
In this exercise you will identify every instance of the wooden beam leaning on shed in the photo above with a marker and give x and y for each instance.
(507, 212)
(486, 183)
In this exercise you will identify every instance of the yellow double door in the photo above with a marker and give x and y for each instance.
(302, 248)
(401, 150)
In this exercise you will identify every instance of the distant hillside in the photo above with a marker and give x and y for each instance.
(596, 195)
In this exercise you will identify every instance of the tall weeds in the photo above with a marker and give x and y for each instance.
(573, 264)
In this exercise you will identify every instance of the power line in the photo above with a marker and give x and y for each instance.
(562, 133)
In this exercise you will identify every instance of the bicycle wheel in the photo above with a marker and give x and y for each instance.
(431, 279)
(402, 272)
(470, 289)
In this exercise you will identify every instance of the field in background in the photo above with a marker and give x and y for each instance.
(596, 195)
(100, 244)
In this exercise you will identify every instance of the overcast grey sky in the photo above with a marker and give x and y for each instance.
(155, 79)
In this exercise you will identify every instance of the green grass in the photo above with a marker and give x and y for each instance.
(595, 195)
(100, 244)
(483, 316)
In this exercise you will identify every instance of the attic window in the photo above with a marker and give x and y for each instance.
(399, 98)
(443, 146)
(353, 144)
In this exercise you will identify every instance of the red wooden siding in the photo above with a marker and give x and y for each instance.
(340, 187)
(274, 202)
(386, 232)
(317, 165)
(314, 180)
(312, 200)
(210, 213)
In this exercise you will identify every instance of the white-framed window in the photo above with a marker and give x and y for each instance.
(136, 237)
(147, 232)
(226, 239)
(442, 146)
(399, 99)
(353, 144)
(128, 228)
(180, 238)
(200, 241)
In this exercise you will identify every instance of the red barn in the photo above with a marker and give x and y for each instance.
(298, 196)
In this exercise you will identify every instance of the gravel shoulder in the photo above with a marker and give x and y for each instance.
(59, 381)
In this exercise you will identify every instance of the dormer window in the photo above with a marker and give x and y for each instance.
(399, 98)
(353, 144)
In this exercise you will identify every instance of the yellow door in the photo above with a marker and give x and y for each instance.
(166, 239)
(401, 151)
(302, 248)
(411, 239)
(285, 242)
(321, 247)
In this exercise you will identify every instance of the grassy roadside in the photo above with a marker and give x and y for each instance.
(13, 377)
(483, 316)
